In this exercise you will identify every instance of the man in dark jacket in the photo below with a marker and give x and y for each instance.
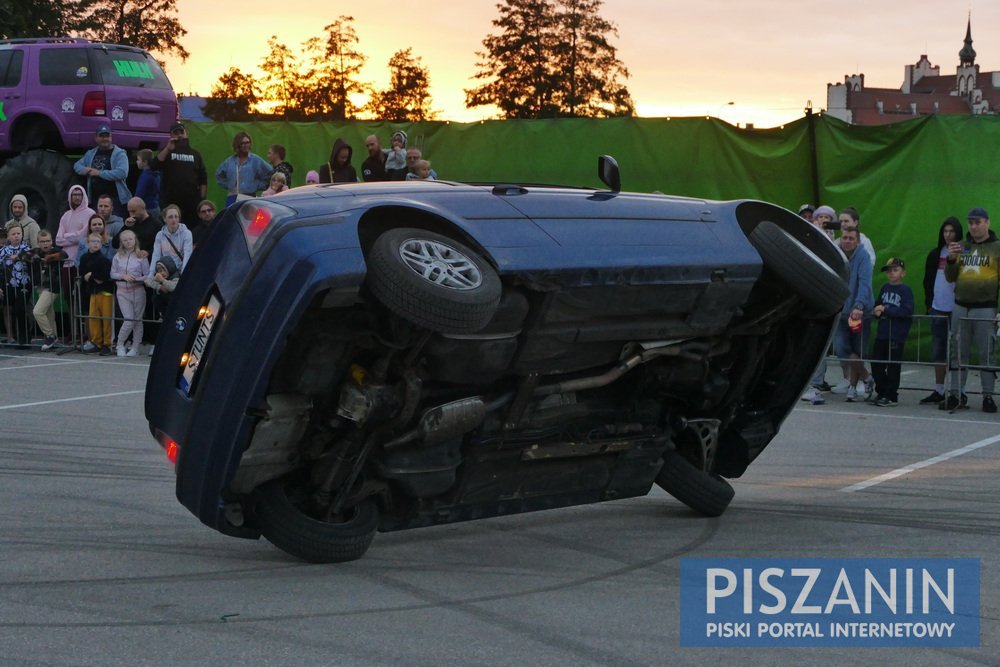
(185, 179)
(142, 223)
(373, 168)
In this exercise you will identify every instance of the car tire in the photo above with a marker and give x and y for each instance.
(293, 531)
(433, 281)
(704, 492)
(800, 268)
(44, 178)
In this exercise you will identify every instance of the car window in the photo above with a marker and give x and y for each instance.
(10, 67)
(64, 67)
(129, 68)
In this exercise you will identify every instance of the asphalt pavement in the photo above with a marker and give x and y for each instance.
(102, 566)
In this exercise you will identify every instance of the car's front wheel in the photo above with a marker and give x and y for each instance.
(704, 492)
(283, 518)
(800, 268)
(433, 280)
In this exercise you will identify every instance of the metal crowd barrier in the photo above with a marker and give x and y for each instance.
(66, 308)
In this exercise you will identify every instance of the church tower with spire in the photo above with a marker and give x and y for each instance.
(967, 74)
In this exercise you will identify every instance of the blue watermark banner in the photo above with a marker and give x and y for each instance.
(867, 602)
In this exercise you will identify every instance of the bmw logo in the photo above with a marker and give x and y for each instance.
(180, 324)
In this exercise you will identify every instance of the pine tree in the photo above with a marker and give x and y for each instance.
(281, 82)
(551, 58)
(338, 69)
(408, 96)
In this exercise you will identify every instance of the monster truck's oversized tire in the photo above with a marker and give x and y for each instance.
(44, 178)
(433, 280)
(800, 268)
(284, 524)
(704, 492)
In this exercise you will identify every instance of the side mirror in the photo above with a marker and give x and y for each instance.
(607, 171)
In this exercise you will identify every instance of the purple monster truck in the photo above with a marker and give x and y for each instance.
(54, 93)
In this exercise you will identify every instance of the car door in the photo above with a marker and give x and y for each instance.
(11, 89)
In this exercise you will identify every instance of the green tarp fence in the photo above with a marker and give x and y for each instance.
(905, 178)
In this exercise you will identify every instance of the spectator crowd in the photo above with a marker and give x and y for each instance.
(961, 285)
(103, 280)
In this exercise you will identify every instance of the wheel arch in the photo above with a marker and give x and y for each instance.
(35, 130)
(380, 219)
(749, 214)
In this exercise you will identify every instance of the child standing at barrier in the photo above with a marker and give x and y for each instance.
(45, 264)
(16, 292)
(894, 310)
(129, 272)
(95, 269)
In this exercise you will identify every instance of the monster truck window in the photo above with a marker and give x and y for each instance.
(10, 67)
(130, 68)
(64, 67)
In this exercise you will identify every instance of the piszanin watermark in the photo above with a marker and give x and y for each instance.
(868, 602)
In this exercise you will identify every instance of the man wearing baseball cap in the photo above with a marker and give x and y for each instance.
(184, 178)
(106, 167)
(806, 212)
(974, 267)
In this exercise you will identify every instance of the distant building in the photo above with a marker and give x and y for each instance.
(192, 108)
(924, 91)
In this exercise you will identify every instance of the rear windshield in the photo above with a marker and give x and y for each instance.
(129, 68)
(115, 67)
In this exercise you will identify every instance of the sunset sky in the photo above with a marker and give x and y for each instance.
(768, 57)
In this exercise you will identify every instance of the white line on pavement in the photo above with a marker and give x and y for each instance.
(891, 414)
(70, 400)
(905, 470)
(74, 362)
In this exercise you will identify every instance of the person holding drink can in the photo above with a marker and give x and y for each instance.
(854, 325)
(974, 267)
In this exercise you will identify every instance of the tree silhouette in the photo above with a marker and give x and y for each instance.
(408, 96)
(234, 96)
(281, 83)
(336, 69)
(551, 58)
(42, 18)
(149, 24)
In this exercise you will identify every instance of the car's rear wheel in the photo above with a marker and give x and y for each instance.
(433, 280)
(284, 521)
(44, 178)
(800, 268)
(704, 492)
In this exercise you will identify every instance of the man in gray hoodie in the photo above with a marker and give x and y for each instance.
(19, 217)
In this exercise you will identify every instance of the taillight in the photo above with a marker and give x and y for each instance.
(257, 216)
(173, 451)
(94, 104)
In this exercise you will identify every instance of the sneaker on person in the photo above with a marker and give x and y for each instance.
(869, 385)
(89, 347)
(988, 404)
(852, 394)
(840, 387)
(132, 351)
(932, 398)
(105, 351)
(952, 402)
(885, 402)
(120, 351)
(873, 399)
(50, 342)
(824, 386)
(813, 396)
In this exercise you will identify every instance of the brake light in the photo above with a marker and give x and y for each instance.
(94, 104)
(257, 217)
(172, 449)
(261, 219)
